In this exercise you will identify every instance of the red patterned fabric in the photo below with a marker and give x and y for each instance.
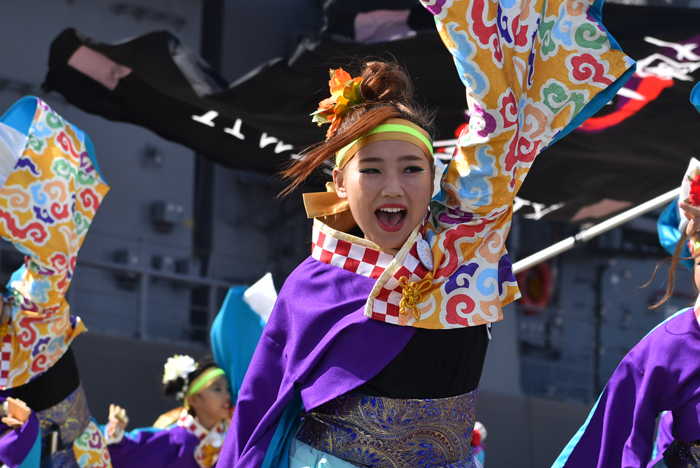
(5, 357)
(330, 247)
(356, 258)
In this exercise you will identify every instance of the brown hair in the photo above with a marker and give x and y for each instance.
(671, 274)
(387, 93)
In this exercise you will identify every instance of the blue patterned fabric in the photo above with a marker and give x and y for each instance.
(392, 432)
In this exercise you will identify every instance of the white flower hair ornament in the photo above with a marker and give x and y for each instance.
(179, 366)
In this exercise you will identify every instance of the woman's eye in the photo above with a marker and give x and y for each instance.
(370, 170)
(415, 169)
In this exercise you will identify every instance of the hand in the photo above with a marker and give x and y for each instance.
(692, 213)
(17, 413)
(117, 421)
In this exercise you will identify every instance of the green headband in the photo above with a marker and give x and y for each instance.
(392, 129)
(206, 377)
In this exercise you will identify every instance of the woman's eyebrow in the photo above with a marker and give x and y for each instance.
(411, 157)
(374, 159)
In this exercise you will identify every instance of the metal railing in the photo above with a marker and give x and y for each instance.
(145, 277)
(143, 284)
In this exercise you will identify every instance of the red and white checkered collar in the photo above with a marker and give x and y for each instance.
(210, 442)
(348, 252)
(187, 421)
(364, 258)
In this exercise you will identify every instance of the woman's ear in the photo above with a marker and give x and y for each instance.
(339, 183)
(194, 401)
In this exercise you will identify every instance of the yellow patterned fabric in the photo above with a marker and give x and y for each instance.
(90, 449)
(392, 432)
(533, 71)
(47, 203)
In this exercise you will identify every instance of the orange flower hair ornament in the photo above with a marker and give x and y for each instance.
(345, 93)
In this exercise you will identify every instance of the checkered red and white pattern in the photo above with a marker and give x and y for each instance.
(385, 306)
(5, 357)
(209, 441)
(344, 254)
(187, 421)
(366, 261)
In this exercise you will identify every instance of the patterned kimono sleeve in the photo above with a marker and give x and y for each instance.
(533, 71)
(51, 189)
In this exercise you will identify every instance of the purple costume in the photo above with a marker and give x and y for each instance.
(21, 445)
(320, 343)
(168, 448)
(301, 346)
(664, 437)
(660, 373)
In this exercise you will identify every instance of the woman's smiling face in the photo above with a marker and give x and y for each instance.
(388, 185)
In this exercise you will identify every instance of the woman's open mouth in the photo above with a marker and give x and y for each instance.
(391, 217)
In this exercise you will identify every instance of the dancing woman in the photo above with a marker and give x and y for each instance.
(195, 434)
(660, 373)
(191, 436)
(380, 337)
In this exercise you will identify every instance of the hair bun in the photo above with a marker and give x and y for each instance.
(385, 82)
(180, 371)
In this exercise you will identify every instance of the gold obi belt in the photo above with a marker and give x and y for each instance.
(392, 432)
(60, 427)
(682, 455)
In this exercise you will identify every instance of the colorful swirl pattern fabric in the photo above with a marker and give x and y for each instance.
(90, 449)
(533, 71)
(52, 189)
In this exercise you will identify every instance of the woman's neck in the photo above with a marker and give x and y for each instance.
(207, 422)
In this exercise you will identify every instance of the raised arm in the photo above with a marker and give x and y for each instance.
(48, 200)
(533, 71)
(50, 189)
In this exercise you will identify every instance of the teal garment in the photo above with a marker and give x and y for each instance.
(669, 235)
(33, 459)
(695, 96)
(277, 455)
(305, 456)
(234, 336)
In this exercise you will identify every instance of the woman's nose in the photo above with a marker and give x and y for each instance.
(392, 187)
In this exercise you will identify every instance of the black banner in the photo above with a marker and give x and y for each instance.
(635, 148)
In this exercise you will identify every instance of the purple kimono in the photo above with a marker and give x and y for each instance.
(661, 373)
(160, 448)
(664, 438)
(317, 323)
(22, 445)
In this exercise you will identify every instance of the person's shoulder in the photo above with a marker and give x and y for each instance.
(669, 341)
(315, 277)
(306, 271)
(179, 436)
